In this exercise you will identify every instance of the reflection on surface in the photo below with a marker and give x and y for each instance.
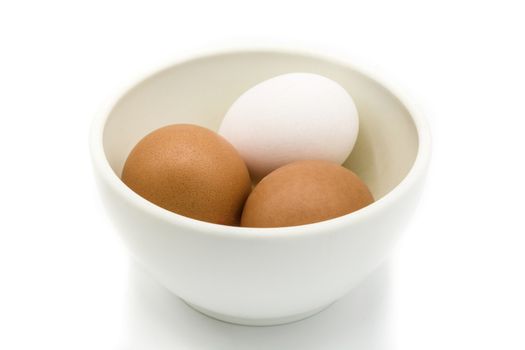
(157, 319)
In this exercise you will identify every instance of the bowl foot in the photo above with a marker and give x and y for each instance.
(256, 321)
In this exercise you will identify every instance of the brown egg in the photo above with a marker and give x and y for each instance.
(191, 171)
(304, 192)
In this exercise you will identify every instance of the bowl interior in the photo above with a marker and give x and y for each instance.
(200, 92)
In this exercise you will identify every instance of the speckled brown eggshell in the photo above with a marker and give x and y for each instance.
(305, 192)
(191, 171)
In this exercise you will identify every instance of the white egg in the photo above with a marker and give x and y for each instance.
(295, 116)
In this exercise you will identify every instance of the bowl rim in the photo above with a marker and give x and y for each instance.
(103, 168)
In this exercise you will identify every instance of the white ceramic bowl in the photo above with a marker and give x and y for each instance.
(261, 276)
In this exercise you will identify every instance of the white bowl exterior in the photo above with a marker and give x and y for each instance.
(258, 277)
(256, 274)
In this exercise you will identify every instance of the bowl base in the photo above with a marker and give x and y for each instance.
(256, 321)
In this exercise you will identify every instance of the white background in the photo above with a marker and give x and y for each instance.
(455, 281)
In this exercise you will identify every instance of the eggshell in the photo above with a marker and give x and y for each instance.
(305, 192)
(295, 116)
(191, 171)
